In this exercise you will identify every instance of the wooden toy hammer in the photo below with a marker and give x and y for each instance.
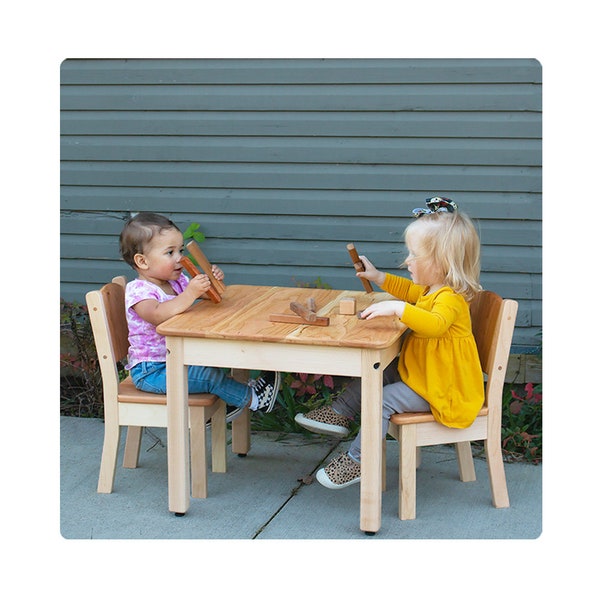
(359, 266)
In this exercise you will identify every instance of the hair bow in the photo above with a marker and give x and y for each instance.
(435, 204)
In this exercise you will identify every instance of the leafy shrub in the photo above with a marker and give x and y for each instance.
(80, 381)
(318, 283)
(300, 392)
(522, 423)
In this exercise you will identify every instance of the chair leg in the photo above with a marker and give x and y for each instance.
(108, 463)
(464, 456)
(383, 465)
(240, 428)
(198, 452)
(132, 447)
(219, 438)
(240, 434)
(497, 475)
(408, 472)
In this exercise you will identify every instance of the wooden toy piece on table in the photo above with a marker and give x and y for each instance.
(359, 267)
(304, 315)
(348, 306)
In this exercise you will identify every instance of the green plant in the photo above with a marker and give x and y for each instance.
(80, 379)
(299, 393)
(522, 423)
(318, 283)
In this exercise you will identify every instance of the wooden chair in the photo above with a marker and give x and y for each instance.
(125, 405)
(493, 322)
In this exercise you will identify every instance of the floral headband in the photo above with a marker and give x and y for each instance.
(436, 204)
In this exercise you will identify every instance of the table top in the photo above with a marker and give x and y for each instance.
(243, 314)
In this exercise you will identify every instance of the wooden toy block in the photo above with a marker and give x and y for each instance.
(304, 312)
(305, 315)
(347, 306)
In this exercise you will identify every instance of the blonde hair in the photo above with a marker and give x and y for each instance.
(451, 242)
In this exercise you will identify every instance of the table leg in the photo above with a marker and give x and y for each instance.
(177, 428)
(371, 415)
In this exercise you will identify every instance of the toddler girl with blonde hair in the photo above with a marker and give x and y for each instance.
(438, 369)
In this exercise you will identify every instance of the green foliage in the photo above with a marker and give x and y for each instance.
(80, 382)
(522, 423)
(318, 283)
(193, 233)
(299, 393)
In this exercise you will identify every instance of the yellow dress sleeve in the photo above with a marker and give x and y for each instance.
(402, 288)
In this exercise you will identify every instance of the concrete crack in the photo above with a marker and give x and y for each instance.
(294, 491)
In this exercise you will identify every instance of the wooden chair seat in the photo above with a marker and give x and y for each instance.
(129, 393)
(422, 417)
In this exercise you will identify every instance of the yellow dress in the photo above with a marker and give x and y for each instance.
(439, 358)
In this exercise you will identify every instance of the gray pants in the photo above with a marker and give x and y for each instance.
(397, 398)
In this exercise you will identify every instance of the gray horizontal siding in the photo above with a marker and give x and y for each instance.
(295, 71)
(282, 162)
(383, 124)
(511, 206)
(299, 176)
(323, 97)
(252, 149)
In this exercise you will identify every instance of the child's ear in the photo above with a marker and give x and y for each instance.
(140, 261)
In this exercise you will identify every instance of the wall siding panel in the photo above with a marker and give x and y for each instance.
(282, 162)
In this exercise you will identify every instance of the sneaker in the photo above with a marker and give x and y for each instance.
(324, 420)
(341, 472)
(233, 412)
(266, 388)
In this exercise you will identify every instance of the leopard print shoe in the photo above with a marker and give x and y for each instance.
(324, 420)
(341, 472)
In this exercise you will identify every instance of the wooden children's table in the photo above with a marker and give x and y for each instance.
(237, 333)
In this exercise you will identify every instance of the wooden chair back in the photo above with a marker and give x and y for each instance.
(106, 308)
(493, 322)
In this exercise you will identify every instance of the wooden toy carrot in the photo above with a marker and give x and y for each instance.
(191, 268)
(205, 265)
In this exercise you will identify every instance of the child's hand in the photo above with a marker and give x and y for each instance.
(216, 271)
(199, 285)
(371, 272)
(387, 308)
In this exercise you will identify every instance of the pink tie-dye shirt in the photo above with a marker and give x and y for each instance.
(144, 343)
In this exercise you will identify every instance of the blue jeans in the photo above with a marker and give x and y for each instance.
(152, 377)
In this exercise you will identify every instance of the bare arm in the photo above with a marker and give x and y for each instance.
(156, 312)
